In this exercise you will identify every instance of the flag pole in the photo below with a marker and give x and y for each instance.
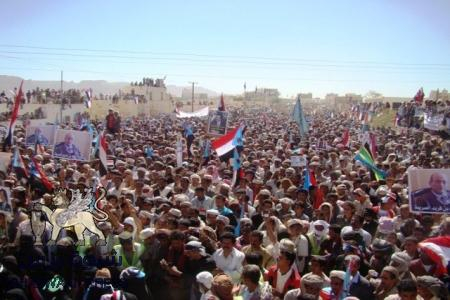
(62, 97)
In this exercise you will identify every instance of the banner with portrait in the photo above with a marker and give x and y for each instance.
(40, 134)
(429, 190)
(217, 122)
(72, 145)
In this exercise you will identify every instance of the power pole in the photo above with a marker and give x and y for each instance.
(62, 98)
(192, 102)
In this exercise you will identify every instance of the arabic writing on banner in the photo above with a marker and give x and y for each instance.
(432, 122)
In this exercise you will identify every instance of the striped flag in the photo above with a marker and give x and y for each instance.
(365, 157)
(102, 154)
(438, 250)
(8, 141)
(225, 144)
(38, 178)
(88, 98)
(346, 138)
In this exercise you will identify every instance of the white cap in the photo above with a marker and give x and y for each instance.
(175, 212)
(205, 278)
(224, 219)
(212, 212)
(146, 233)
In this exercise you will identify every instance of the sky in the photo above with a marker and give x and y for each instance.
(391, 46)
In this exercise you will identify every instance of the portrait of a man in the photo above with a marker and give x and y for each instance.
(435, 197)
(218, 122)
(67, 149)
(37, 138)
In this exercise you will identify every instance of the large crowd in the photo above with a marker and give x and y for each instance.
(194, 231)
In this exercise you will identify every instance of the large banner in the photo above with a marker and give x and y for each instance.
(199, 113)
(217, 122)
(432, 122)
(429, 190)
(43, 135)
(72, 145)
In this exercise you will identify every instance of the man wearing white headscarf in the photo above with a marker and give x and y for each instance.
(318, 233)
(401, 261)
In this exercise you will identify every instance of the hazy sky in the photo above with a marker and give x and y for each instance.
(393, 47)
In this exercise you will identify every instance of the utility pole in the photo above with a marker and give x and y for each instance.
(192, 103)
(62, 98)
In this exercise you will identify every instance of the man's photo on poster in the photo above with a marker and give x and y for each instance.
(43, 135)
(217, 122)
(429, 190)
(72, 145)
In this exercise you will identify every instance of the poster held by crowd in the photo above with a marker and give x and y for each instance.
(217, 122)
(429, 190)
(72, 145)
(43, 135)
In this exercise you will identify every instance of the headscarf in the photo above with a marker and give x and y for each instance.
(433, 285)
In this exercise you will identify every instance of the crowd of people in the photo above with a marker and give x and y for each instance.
(201, 230)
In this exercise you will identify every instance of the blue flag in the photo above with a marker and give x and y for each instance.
(299, 118)
(239, 137)
(236, 160)
(307, 180)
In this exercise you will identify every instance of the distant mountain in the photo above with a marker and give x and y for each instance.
(8, 83)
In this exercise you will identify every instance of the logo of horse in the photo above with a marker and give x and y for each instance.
(79, 210)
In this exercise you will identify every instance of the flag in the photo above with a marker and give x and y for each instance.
(224, 145)
(307, 180)
(245, 85)
(189, 136)
(418, 98)
(206, 152)
(346, 138)
(8, 141)
(102, 154)
(136, 99)
(88, 98)
(221, 106)
(38, 178)
(369, 141)
(365, 157)
(299, 118)
(438, 250)
(18, 165)
(318, 200)
(347, 278)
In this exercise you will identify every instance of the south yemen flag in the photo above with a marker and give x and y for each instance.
(224, 145)
(102, 150)
(15, 113)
